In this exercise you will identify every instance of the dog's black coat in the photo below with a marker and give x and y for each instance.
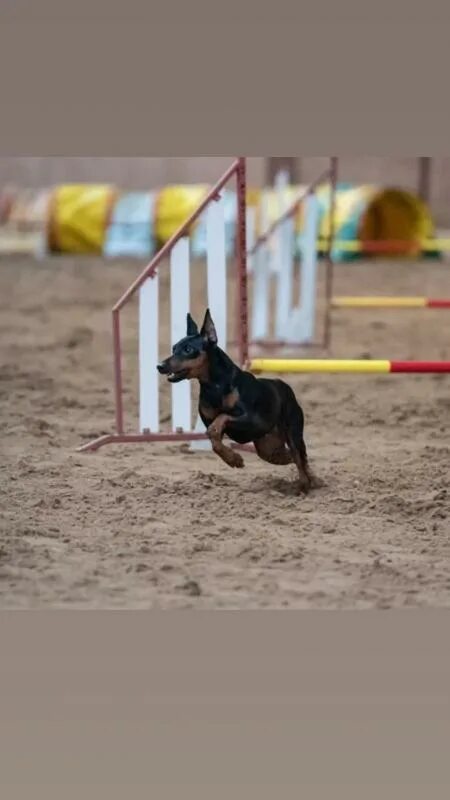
(235, 403)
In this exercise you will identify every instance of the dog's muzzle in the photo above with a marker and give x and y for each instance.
(164, 368)
(173, 375)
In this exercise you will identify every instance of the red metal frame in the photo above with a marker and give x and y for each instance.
(238, 170)
(241, 239)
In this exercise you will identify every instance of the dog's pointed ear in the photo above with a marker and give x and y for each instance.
(191, 326)
(208, 330)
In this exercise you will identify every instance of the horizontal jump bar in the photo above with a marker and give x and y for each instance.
(389, 302)
(285, 365)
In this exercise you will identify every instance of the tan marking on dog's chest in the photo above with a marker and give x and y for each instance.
(228, 403)
(208, 412)
(231, 399)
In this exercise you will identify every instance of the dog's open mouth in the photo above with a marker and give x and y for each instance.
(180, 375)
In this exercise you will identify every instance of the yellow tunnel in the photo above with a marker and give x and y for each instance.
(370, 214)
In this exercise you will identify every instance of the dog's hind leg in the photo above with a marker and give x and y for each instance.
(296, 444)
(272, 448)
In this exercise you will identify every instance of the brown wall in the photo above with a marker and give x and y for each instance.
(129, 173)
(145, 173)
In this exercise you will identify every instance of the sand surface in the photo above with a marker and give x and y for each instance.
(158, 526)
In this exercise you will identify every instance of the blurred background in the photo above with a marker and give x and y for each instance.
(129, 206)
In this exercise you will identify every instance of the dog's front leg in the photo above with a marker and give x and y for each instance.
(215, 432)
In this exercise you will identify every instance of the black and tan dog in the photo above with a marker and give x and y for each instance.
(234, 403)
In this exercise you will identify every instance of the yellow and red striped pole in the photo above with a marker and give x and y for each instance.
(333, 365)
(389, 302)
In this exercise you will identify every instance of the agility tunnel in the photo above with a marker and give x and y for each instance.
(99, 219)
(23, 220)
(78, 217)
(130, 233)
(372, 220)
(368, 219)
(25, 209)
(174, 205)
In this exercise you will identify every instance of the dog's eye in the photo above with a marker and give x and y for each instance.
(188, 349)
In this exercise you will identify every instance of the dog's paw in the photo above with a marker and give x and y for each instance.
(236, 460)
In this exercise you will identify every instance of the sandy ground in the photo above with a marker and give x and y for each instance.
(158, 526)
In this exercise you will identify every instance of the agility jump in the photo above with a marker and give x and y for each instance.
(273, 260)
(177, 249)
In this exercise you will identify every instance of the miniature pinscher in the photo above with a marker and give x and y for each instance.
(233, 402)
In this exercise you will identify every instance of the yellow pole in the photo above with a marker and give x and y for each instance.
(285, 365)
(379, 302)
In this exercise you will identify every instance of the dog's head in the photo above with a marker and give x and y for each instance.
(189, 357)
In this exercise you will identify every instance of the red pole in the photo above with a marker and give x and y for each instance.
(420, 366)
(438, 303)
(117, 370)
(242, 296)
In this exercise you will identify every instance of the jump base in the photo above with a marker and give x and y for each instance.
(141, 438)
